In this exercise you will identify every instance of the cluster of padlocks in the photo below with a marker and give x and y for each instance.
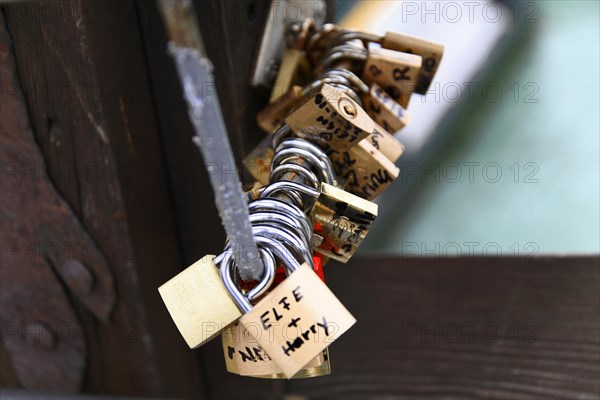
(338, 98)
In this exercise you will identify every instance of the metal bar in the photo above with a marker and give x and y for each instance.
(195, 72)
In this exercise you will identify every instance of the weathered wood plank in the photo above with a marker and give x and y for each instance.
(84, 78)
(465, 328)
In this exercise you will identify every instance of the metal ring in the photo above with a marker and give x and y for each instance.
(317, 158)
(280, 134)
(306, 173)
(347, 35)
(285, 239)
(357, 84)
(290, 186)
(278, 206)
(346, 51)
(319, 82)
(294, 197)
(281, 220)
(281, 253)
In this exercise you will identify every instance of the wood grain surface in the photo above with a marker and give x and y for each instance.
(102, 93)
(465, 328)
(82, 71)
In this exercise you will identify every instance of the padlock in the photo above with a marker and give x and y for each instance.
(394, 71)
(366, 170)
(258, 161)
(386, 143)
(430, 51)
(319, 42)
(199, 303)
(384, 110)
(343, 220)
(244, 357)
(296, 320)
(330, 118)
(295, 70)
(271, 117)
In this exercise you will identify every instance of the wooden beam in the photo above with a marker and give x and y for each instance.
(478, 328)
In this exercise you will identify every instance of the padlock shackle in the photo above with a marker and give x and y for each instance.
(282, 240)
(298, 169)
(277, 206)
(292, 188)
(228, 270)
(345, 52)
(321, 161)
(276, 220)
(281, 253)
(270, 269)
(267, 247)
(346, 35)
(358, 85)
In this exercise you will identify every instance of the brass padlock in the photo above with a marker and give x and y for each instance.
(366, 170)
(198, 302)
(386, 143)
(394, 71)
(431, 52)
(343, 220)
(296, 320)
(384, 110)
(271, 117)
(295, 70)
(331, 119)
(258, 161)
(245, 357)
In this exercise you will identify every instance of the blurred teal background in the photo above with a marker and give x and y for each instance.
(542, 136)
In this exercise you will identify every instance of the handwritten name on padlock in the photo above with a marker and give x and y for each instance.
(245, 357)
(297, 320)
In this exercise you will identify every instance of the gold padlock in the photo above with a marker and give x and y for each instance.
(364, 167)
(271, 117)
(296, 320)
(366, 170)
(384, 110)
(386, 143)
(311, 319)
(295, 70)
(331, 119)
(394, 71)
(343, 220)
(431, 52)
(258, 161)
(244, 357)
(199, 303)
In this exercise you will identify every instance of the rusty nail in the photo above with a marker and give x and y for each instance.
(38, 334)
(77, 276)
